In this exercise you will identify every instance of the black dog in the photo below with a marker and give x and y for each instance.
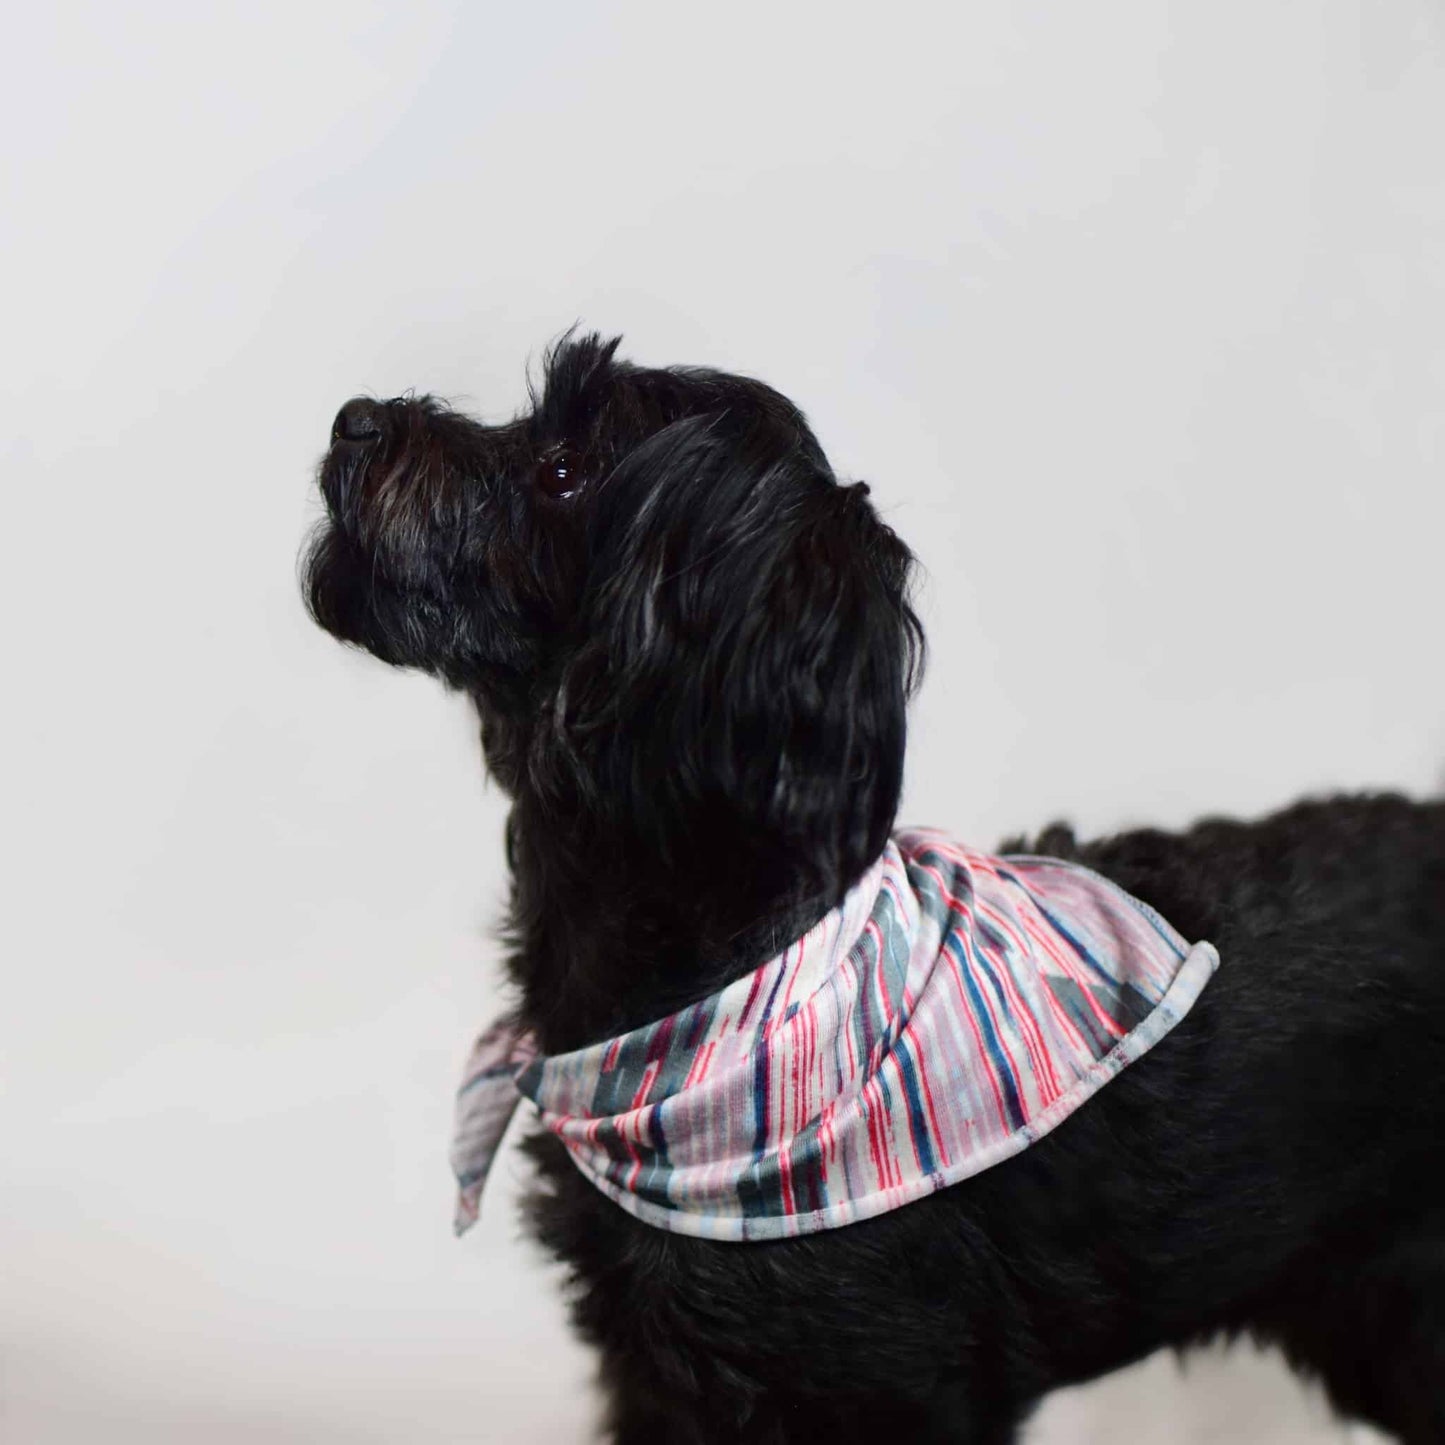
(691, 649)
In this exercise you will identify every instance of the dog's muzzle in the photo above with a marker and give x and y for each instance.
(361, 420)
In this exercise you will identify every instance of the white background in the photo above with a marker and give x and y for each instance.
(1132, 313)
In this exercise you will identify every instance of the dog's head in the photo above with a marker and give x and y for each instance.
(672, 617)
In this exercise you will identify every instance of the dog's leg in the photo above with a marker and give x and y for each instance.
(634, 1420)
(951, 1417)
(955, 1417)
(1404, 1315)
(1375, 1333)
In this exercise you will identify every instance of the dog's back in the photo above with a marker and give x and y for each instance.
(1270, 1169)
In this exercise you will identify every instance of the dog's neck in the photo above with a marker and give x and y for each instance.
(606, 938)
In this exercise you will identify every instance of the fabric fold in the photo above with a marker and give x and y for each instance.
(954, 1008)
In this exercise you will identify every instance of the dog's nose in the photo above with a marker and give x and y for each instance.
(360, 420)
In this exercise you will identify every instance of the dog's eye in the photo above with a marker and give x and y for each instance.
(559, 473)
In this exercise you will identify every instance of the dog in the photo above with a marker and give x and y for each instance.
(691, 648)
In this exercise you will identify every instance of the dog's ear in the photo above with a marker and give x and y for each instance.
(743, 655)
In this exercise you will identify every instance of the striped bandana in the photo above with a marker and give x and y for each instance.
(954, 1008)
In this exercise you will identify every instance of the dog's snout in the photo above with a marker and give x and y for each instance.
(360, 420)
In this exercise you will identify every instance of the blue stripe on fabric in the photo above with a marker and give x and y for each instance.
(761, 1078)
(1077, 944)
(917, 1116)
(997, 1057)
(1165, 932)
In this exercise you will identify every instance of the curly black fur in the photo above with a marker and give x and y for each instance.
(691, 649)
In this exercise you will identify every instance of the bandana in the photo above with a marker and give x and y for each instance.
(954, 1008)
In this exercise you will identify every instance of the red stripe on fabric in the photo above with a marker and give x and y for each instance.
(1003, 1045)
(791, 972)
(891, 1172)
(649, 1077)
(939, 1142)
(1047, 938)
(875, 1148)
(956, 970)
(662, 1039)
(785, 1179)
(814, 1073)
(700, 1061)
(1010, 1062)
(880, 977)
(753, 993)
(1069, 963)
(846, 1021)
(1058, 1012)
(900, 1091)
(1039, 1059)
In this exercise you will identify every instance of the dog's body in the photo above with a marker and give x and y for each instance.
(690, 649)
